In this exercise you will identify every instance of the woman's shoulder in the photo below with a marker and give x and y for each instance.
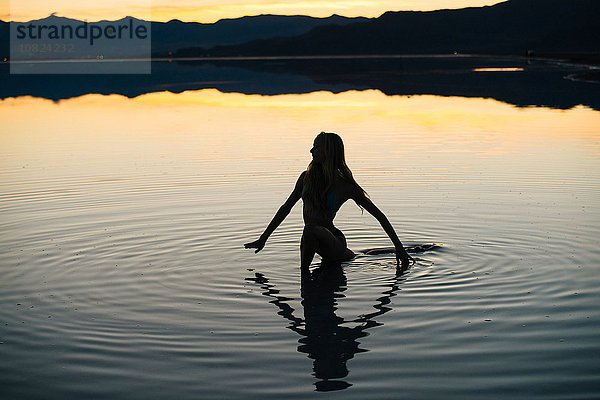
(300, 181)
(302, 176)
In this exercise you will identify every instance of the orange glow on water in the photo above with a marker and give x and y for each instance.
(506, 69)
(235, 125)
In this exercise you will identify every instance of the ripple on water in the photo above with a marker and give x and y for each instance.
(137, 276)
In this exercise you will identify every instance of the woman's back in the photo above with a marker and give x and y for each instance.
(339, 192)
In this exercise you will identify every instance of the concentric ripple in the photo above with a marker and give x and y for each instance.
(124, 273)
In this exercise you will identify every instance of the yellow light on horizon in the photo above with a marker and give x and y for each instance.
(209, 11)
(229, 131)
(360, 110)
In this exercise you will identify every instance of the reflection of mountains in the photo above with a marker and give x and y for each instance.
(539, 84)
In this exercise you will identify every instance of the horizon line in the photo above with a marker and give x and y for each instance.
(54, 14)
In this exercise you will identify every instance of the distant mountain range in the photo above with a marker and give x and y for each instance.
(511, 27)
(170, 37)
(175, 35)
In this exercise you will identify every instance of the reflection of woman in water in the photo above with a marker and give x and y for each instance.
(326, 184)
(326, 338)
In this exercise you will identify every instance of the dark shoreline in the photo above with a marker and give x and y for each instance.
(514, 79)
(584, 59)
(590, 60)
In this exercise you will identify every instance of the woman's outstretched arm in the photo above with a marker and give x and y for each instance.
(283, 212)
(401, 255)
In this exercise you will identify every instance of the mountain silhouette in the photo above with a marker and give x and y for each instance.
(168, 37)
(511, 27)
(174, 35)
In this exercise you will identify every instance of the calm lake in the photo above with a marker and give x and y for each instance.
(125, 203)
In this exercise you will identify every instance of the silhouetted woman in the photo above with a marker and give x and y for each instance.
(326, 184)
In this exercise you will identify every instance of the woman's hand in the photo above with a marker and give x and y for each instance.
(257, 244)
(402, 256)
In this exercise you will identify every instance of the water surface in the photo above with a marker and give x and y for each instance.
(124, 274)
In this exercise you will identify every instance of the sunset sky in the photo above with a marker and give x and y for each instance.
(213, 10)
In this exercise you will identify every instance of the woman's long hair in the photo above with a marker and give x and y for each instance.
(320, 176)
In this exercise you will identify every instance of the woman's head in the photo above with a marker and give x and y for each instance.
(328, 163)
(328, 148)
